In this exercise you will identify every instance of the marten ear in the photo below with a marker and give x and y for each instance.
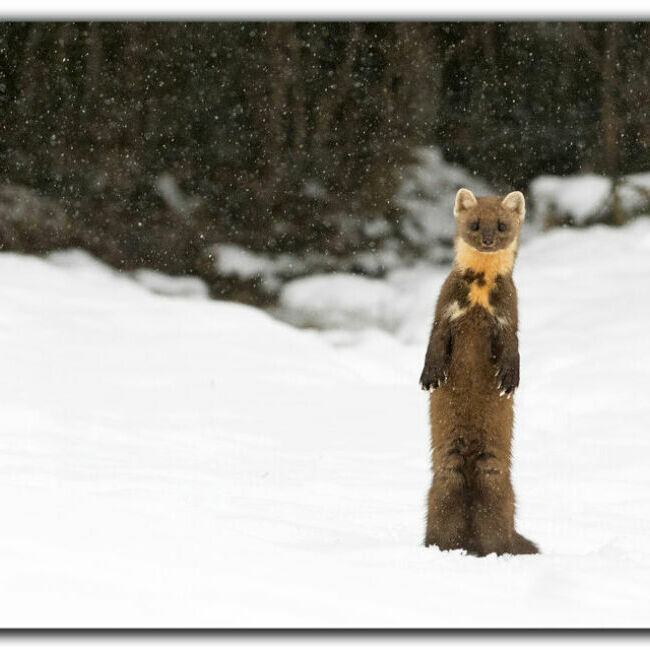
(464, 200)
(515, 201)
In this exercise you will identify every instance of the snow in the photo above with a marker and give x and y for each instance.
(429, 188)
(82, 263)
(231, 259)
(400, 303)
(581, 197)
(171, 193)
(234, 260)
(171, 285)
(182, 462)
(340, 300)
(634, 192)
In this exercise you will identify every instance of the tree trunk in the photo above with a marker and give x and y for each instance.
(609, 121)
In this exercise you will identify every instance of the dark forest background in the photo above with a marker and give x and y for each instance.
(144, 143)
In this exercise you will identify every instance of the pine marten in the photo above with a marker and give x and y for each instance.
(472, 370)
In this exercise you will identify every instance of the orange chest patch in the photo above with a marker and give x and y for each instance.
(480, 285)
(479, 293)
(481, 270)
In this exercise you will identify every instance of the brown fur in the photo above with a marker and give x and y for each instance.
(472, 370)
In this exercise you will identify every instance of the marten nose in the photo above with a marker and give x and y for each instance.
(488, 238)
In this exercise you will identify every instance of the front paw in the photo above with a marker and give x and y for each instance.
(507, 374)
(434, 375)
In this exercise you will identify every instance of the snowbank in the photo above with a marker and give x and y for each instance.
(341, 300)
(634, 192)
(587, 198)
(580, 197)
(235, 261)
(398, 303)
(197, 463)
(231, 259)
(274, 271)
(427, 195)
(83, 264)
(169, 285)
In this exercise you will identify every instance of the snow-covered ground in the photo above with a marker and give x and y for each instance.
(175, 461)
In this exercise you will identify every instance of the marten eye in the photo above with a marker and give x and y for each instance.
(473, 225)
(502, 226)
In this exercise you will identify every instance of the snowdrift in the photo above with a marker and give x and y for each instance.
(582, 199)
(175, 461)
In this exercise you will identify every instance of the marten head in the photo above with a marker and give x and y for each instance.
(489, 223)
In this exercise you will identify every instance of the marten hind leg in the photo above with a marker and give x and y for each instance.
(492, 506)
(447, 521)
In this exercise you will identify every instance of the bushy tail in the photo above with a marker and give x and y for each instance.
(523, 546)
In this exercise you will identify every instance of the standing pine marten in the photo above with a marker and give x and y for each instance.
(472, 370)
